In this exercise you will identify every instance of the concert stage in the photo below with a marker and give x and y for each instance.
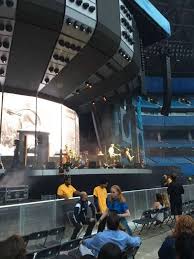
(44, 182)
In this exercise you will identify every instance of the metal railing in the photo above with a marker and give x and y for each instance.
(36, 216)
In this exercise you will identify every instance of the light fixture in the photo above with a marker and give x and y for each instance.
(75, 25)
(4, 59)
(82, 28)
(56, 70)
(85, 6)
(46, 80)
(68, 21)
(55, 56)
(93, 103)
(2, 27)
(77, 91)
(62, 59)
(9, 3)
(9, 27)
(104, 98)
(1, 71)
(61, 42)
(88, 30)
(6, 44)
(78, 2)
(67, 60)
(92, 9)
(51, 69)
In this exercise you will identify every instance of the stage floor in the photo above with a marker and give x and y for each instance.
(99, 171)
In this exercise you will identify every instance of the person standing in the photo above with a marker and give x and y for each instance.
(175, 191)
(66, 190)
(100, 196)
(80, 216)
(117, 203)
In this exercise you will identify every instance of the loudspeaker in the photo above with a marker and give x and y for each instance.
(167, 89)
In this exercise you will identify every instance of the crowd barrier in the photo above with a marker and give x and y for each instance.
(30, 217)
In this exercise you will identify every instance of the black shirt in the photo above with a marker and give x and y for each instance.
(175, 190)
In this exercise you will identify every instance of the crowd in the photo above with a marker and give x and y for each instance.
(110, 216)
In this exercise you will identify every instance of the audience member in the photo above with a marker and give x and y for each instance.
(112, 234)
(66, 190)
(110, 251)
(164, 181)
(165, 199)
(175, 191)
(13, 248)
(117, 203)
(185, 225)
(80, 216)
(87, 257)
(185, 246)
(158, 204)
(100, 196)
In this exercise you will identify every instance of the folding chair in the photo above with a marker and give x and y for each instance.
(130, 252)
(144, 221)
(54, 237)
(48, 253)
(69, 247)
(36, 241)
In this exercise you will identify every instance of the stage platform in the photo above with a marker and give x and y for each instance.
(99, 171)
(46, 182)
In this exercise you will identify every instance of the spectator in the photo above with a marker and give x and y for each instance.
(117, 203)
(175, 191)
(87, 257)
(165, 199)
(185, 224)
(80, 216)
(158, 204)
(100, 196)
(164, 181)
(110, 251)
(112, 234)
(66, 190)
(13, 248)
(185, 246)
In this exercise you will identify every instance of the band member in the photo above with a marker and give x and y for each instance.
(111, 151)
(128, 155)
(100, 158)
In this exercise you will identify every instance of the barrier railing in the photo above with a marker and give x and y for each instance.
(36, 216)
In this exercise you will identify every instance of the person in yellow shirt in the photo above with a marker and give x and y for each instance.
(100, 196)
(66, 190)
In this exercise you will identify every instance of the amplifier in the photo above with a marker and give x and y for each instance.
(13, 194)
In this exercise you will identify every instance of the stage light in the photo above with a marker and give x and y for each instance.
(55, 56)
(104, 99)
(82, 28)
(78, 48)
(77, 91)
(88, 30)
(56, 70)
(85, 6)
(92, 9)
(46, 80)
(2, 71)
(75, 25)
(67, 60)
(6, 44)
(78, 2)
(9, 3)
(93, 103)
(62, 59)
(9, 27)
(61, 42)
(2, 27)
(4, 59)
(51, 69)
(68, 21)
(67, 44)
(73, 47)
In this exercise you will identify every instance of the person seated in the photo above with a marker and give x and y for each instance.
(110, 251)
(185, 224)
(66, 190)
(13, 247)
(80, 216)
(185, 246)
(158, 204)
(113, 234)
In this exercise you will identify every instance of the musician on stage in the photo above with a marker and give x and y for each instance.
(111, 153)
(128, 155)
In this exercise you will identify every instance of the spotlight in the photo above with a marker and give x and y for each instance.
(51, 69)
(75, 25)
(9, 3)
(46, 80)
(104, 98)
(67, 60)
(0, 44)
(2, 27)
(73, 47)
(61, 42)
(62, 59)
(78, 48)
(82, 28)
(2, 71)
(93, 103)
(6, 44)
(77, 91)
(9, 27)
(88, 30)
(67, 44)
(78, 2)
(55, 56)
(56, 70)
(92, 9)
(4, 59)
(85, 6)
(68, 21)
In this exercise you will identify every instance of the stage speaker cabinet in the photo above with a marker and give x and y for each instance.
(125, 126)
(93, 164)
(167, 85)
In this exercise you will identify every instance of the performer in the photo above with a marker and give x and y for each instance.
(66, 190)
(128, 155)
(100, 158)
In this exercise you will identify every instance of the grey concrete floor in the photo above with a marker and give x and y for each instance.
(152, 241)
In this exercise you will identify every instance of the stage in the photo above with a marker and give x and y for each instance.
(46, 182)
